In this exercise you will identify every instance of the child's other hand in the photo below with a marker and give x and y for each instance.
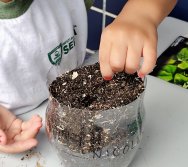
(17, 135)
(124, 42)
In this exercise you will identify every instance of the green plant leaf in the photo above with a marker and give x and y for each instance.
(183, 65)
(180, 79)
(169, 68)
(185, 85)
(164, 75)
(171, 61)
(183, 54)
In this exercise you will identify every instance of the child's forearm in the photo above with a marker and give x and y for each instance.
(154, 10)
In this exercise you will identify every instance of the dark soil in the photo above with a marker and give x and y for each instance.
(85, 88)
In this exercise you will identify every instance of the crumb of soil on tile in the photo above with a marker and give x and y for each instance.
(31, 153)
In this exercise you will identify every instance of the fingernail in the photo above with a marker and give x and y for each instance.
(141, 75)
(107, 78)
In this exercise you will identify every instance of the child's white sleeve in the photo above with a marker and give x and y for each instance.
(48, 33)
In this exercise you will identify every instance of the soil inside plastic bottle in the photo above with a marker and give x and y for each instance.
(82, 93)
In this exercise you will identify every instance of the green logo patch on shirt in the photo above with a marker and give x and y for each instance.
(55, 55)
(64, 48)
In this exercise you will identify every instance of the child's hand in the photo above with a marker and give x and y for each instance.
(133, 34)
(15, 135)
(124, 42)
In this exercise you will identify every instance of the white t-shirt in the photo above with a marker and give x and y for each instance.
(49, 32)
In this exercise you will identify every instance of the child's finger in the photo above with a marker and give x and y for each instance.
(28, 124)
(3, 138)
(118, 57)
(18, 147)
(31, 129)
(133, 58)
(104, 59)
(150, 57)
(29, 133)
(14, 129)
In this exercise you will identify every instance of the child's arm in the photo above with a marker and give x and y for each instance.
(131, 35)
(15, 135)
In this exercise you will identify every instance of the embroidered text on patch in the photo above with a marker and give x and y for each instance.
(55, 55)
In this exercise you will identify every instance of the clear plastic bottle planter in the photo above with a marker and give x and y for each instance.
(84, 138)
